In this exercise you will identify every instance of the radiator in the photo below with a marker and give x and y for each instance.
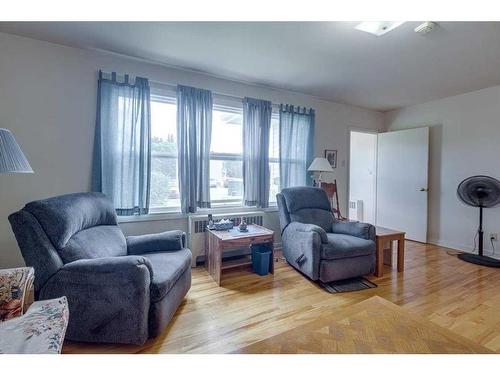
(197, 225)
(356, 210)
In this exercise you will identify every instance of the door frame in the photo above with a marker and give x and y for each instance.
(358, 129)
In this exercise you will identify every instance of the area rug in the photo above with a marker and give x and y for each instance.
(374, 325)
(349, 285)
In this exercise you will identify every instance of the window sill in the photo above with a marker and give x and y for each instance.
(157, 216)
(232, 209)
(162, 216)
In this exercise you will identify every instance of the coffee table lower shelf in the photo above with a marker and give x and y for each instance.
(236, 263)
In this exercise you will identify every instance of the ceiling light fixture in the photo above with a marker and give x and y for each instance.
(425, 28)
(378, 28)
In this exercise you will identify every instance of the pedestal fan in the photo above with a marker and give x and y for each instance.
(482, 192)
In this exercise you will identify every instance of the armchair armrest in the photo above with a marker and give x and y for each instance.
(165, 241)
(302, 247)
(108, 298)
(301, 227)
(355, 228)
(99, 268)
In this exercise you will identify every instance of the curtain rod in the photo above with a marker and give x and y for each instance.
(221, 94)
(173, 87)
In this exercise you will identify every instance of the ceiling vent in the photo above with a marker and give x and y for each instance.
(425, 28)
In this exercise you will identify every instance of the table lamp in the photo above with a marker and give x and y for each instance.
(320, 165)
(12, 159)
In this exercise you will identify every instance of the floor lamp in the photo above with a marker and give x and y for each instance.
(12, 159)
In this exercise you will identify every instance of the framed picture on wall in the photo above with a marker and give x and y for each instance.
(331, 156)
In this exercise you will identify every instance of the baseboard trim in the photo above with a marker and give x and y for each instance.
(463, 247)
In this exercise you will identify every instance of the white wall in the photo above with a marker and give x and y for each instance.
(464, 141)
(48, 99)
(362, 174)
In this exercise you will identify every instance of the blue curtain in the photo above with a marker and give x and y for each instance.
(122, 146)
(194, 132)
(296, 145)
(256, 127)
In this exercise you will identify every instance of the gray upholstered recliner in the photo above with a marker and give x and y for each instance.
(119, 289)
(317, 244)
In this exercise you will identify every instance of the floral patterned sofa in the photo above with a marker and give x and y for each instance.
(39, 329)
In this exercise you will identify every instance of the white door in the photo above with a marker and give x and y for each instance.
(402, 173)
(362, 176)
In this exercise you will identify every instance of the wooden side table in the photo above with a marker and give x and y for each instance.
(218, 241)
(384, 235)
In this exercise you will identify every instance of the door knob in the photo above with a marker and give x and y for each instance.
(424, 189)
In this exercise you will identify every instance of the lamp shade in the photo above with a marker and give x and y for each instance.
(320, 165)
(12, 159)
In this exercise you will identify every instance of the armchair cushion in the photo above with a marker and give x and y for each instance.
(157, 242)
(301, 227)
(341, 246)
(320, 218)
(298, 198)
(63, 216)
(168, 267)
(102, 241)
(307, 205)
(79, 225)
(354, 228)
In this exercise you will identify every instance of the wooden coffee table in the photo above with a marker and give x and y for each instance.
(384, 235)
(218, 241)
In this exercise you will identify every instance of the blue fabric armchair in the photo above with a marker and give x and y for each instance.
(317, 244)
(119, 289)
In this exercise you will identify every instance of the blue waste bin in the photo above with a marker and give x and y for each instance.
(261, 259)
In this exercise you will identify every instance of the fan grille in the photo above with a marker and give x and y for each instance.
(479, 191)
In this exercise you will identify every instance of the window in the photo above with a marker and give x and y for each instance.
(164, 191)
(226, 156)
(274, 158)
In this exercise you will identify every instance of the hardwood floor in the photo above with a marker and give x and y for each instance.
(247, 308)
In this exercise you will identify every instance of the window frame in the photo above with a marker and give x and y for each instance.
(236, 108)
(274, 160)
(164, 96)
(222, 104)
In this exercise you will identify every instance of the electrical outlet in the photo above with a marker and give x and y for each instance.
(494, 236)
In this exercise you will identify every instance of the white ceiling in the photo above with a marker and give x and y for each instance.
(330, 60)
